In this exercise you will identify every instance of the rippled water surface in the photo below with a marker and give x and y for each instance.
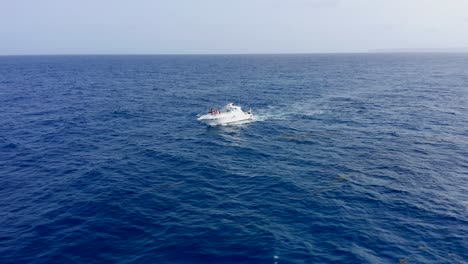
(351, 159)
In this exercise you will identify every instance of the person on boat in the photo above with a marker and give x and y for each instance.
(211, 111)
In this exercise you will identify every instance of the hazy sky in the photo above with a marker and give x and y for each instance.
(229, 26)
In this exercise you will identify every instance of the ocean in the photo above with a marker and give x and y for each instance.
(351, 158)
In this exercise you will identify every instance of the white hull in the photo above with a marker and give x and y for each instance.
(224, 120)
(230, 115)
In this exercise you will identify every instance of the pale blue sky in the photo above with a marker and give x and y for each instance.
(229, 26)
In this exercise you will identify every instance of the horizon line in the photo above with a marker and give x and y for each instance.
(241, 54)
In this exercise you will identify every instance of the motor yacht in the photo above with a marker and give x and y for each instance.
(227, 115)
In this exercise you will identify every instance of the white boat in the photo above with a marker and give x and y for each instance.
(229, 114)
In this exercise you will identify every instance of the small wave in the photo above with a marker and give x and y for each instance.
(285, 112)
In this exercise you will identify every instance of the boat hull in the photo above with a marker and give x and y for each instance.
(225, 119)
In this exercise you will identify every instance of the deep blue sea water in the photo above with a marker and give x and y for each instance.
(353, 158)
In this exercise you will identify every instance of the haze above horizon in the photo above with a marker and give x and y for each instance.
(235, 27)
